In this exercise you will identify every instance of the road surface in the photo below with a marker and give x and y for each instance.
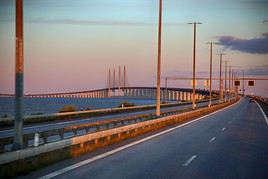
(231, 143)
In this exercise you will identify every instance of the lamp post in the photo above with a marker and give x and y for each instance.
(243, 87)
(220, 82)
(18, 122)
(194, 59)
(166, 91)
(225, 81)
(159, 61)
(230, 70)
(232, 82)
(210, 74)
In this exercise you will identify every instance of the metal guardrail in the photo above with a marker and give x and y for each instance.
(53, 135)
(87, 113)
(263, 102)
(48, 136)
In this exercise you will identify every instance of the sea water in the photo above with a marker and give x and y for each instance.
(53, 105)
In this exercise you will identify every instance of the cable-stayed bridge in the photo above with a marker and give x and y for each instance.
(176, 94)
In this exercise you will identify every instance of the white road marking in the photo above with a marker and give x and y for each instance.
(212, 139)
(77, 165)
(264, 115)
(189, 161)
(223, 129)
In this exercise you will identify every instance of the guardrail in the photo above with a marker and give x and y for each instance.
(263, 102)
(8, 121)
(25, 160)
(52, 135)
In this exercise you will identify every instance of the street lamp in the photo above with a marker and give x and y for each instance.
(166, 91)
(159, 61)
(230, 71)
(194, 57)
(225, 81)
(232, 82)
(18, 122)
(210, 74)
(243, 87)
(220, 82)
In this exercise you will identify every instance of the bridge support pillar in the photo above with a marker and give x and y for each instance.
(177, 96)
(189, 96)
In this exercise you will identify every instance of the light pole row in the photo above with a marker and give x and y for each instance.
(194, 66)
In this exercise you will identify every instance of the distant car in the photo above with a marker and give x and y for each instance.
(251, 101)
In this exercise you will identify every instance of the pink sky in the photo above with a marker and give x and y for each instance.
(71, 47)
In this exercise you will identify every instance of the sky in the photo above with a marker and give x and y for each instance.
(69, 45)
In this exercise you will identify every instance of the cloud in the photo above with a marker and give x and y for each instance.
(257, 70)
(257, 45)
(260, 71)
(265, 21)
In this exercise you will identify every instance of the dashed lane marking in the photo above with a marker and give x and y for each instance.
(189, 160)
(212, 139)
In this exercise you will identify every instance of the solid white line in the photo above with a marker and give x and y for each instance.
(223, 129)
(189, 161)
(64, 170)
(264, 115)
(212, 139)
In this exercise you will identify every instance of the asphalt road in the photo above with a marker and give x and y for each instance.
(232, 143)
(57, 125)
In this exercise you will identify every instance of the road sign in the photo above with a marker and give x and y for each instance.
(250, 83)
(237, 83)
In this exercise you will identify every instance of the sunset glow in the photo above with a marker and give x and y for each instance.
(71, 44)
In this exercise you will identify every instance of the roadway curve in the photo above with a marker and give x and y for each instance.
(231, 143)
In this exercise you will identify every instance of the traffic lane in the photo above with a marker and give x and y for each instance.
(161, 157)
(241, 152)
(58, 125)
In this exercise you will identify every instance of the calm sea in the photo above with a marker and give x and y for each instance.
(53, 105)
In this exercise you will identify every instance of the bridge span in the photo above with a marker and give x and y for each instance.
(176, 94)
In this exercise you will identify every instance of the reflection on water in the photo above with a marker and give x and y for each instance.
(52, 105)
